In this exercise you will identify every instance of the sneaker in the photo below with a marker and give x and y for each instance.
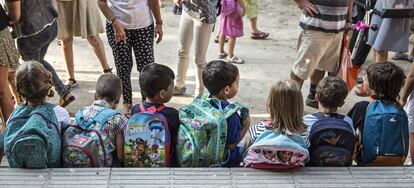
(311, 103)
(71, 83)
(180, 91)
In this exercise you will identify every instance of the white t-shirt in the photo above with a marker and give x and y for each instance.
(132, 14)
(62, 116)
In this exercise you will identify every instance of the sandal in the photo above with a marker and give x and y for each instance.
(63, 102)
(235, 60)
(107, 70)
(259, 35)
(71, 83)
(403, 57)
(222, 55)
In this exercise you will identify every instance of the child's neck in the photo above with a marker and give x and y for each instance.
(327, 110)
(222, 98)
(153, 101)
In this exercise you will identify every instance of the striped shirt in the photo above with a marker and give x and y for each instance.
(331, 18)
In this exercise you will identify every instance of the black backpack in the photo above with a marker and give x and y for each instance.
(332, 141)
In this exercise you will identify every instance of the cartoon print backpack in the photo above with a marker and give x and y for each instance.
(32, 137)
(385, 135)
(276, 150)
(332, 141)
(86, 144)
(203, 132)
(147, 139)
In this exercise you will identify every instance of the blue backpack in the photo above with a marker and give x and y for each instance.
(332, 141)
(385, 135)
(148, 139)
(86, 144)
(32, 137)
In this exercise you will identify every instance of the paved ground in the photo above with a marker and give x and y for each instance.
(357, 177)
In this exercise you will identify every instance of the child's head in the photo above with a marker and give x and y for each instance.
(109, 88)
(331, 92)
(284, 156)
(269, 154)
(221, 79)
(157, 82)
(385, 80)
(285, 105)
(33, 83)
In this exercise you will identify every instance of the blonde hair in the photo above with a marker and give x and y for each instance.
(33, 82)
(285, 105)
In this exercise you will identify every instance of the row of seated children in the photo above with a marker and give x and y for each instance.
(210, 130)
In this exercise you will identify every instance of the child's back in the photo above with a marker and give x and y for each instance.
(381, 122)
(330, 135)
(32, 137)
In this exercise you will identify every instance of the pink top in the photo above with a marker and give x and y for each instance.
(231, 23)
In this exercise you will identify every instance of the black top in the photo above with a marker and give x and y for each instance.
(357, 114)
(173, 122)
(4, 19)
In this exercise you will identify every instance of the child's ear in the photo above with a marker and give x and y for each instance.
(317, 97)
(227, 90)
(162, 94)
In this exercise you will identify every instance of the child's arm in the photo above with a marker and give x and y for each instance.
(119, 142)
(245, 127)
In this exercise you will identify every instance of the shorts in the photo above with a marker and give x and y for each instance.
(317, 50)
(252, 8)
(409, 108)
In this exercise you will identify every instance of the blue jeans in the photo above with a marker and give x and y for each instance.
(34, 48)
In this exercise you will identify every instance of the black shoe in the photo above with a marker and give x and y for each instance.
(312, 103)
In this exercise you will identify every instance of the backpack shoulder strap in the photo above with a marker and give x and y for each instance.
(151, 109)
(319, 115)
(103, 116)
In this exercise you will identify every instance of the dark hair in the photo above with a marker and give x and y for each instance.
(385, 80)
(109, 87)
(155, 77)
(219, 74)
(33, 82)
(332, 92)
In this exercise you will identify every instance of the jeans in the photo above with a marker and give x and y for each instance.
(192, 29)
(34, 48)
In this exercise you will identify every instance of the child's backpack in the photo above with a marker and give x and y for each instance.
(86, 144)
(147, 139)
(276, 150)
(332, 141)
(385, 135)
(32, 137)
(203, 132)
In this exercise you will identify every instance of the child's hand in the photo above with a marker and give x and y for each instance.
(242, 7)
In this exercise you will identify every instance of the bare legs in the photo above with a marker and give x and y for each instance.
(231, 45)
(98, 48)
(380, 56)
(6, 103)
(253, 25)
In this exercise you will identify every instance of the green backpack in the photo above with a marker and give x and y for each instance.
(202, 135)
(32, 137)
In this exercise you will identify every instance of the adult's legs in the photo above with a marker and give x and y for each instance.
(202, 34)
(412, 148)
(142, 42)
(99, 49)
(253, 25)
(185, 35)
(12, 85)
(122, 52)
(6, 102)
(67, 50)
(380, 56)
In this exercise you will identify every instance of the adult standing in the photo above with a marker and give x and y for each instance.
(80, 18)
(9, 57)
(35, 30)
(392, 34)
(196, 24)
(252, 11)
(130, 26)
(322, 28)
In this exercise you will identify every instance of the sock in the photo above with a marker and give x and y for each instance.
(312, 91)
